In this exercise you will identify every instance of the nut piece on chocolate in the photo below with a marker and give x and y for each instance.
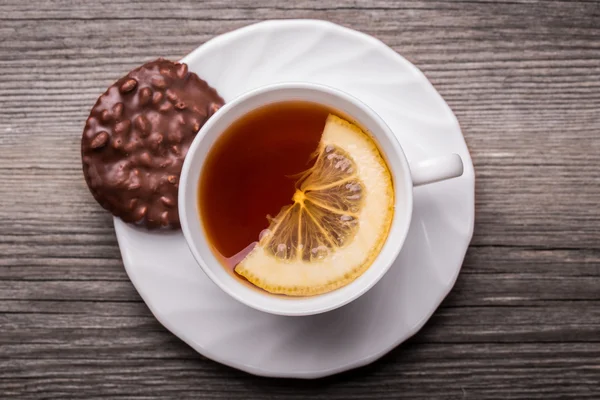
(137, 136)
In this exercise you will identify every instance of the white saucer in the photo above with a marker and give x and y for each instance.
(187, 303)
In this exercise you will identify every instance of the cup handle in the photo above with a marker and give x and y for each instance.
(436, 169)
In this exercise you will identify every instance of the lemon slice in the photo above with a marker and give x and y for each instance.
(340, 217)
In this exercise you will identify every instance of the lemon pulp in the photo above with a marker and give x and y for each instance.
(340, 217)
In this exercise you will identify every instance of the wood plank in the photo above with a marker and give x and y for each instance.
(103, 263)
(89, 335)
(474, 290)
(553, 371)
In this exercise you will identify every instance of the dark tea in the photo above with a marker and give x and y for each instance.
(251, 171)
(295, 199)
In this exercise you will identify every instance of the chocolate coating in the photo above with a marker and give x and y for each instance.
(136, 138)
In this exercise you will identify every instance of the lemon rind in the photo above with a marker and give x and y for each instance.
(378, 183)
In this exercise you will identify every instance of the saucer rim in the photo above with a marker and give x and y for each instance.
(121, 226)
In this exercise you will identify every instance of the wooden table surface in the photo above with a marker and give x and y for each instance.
(523, 321)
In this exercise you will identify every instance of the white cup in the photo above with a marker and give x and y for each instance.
(405, 176)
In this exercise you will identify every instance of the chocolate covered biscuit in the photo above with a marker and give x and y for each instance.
(136, 138)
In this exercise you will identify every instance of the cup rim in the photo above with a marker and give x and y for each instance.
(192, 226)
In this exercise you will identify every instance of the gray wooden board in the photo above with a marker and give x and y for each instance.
(523, 321)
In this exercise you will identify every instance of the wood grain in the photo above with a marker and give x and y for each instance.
(523, 321)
